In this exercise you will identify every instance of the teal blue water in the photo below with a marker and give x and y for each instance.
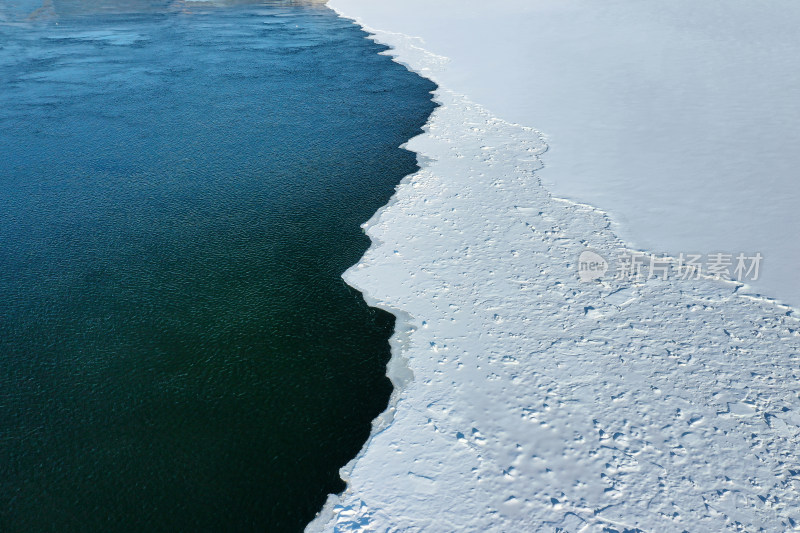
(181, 189)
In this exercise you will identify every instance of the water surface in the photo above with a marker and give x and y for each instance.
(180, 190)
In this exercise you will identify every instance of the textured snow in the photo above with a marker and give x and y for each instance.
(528, 400)
(678, 118)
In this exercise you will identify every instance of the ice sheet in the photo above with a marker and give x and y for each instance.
(538, 400)
(679, 118)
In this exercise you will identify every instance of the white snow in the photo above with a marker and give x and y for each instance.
(527, 399)
(680, 119)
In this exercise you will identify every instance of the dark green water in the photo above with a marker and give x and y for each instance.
(179, 195)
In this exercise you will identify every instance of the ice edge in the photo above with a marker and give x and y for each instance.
(397, 369)
(401, 46)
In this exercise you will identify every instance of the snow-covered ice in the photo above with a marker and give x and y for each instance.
(529, 400)
(680, 118)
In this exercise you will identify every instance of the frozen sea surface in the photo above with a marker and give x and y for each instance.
(528, 399)
(680, 119)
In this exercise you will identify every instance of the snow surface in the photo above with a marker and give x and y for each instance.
(680, 119)
(528, 400)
